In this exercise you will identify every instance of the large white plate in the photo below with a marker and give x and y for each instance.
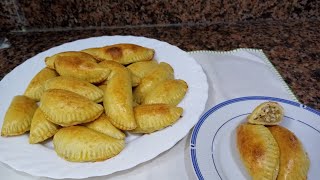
(41, 159)
(213, 151)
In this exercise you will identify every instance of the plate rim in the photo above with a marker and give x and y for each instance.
(204, 117)
(127, 167)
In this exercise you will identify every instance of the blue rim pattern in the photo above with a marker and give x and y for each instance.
(231, 101)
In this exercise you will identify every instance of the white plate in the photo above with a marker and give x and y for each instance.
(41, 159)
(213, 151)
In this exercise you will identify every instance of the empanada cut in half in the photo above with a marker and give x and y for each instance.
(154, 117)
(159, 74)
(118, 96)
(81, 68)
(267, 113)
(77, 86)
(171, 91)
(81, 144)
(35, 88)
(67, 108)
(121, 53)
(259, 151)
(17, 119)
(41, 129)
(143, 68)
(73, 54)
(103, 125)
(294, 161)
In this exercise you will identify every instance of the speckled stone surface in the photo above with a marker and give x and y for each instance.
(39, 14)
(8, 15)
(293, 47)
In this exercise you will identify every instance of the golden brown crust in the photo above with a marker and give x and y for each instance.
(17, 119)
(154, 117)
(118, 99)
(258, 151)
(50, 61)
(41, 129)
(81, 144)
(294, 161)
(35, 88)
(121, 53)
(143, 68)
(66, 108)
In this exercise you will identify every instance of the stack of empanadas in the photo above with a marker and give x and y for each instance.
(86, 99)
(270, 151)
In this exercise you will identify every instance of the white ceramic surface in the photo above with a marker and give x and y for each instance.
(213, 142)
(41, 159)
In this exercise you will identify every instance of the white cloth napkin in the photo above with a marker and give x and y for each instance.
(231, 74)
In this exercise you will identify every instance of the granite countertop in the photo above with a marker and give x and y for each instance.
(292, 46)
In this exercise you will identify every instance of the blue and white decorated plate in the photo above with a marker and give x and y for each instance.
(213, 142)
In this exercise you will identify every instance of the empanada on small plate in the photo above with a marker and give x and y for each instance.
(103, 125)
(171, 91)
(50, 61)
(17, 119)
(122, 53)
(118, 96)
(35, 87)
(67, 108)
(41, 129)
(154, 117)
(267, 113)
(143, 68)
(75, 85)
(159, 74)
(81, 68)
(294, 161)
(259, 151)
(81, 144)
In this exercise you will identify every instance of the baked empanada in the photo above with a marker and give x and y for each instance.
(143, 68)
(259, 151)
(103, 125)
(75, 54)
(80, 144)
(159, 74)
(41, 129)
(171, 91)
(135, 80)
(294, 161)
(35, 87)
(122, 53)
(81, 68)
(75, 85)
(118, 96)
(154, 117)
(267, 113)
(66, 108)
(17, 119)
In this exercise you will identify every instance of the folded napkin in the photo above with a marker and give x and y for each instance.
(231, 74)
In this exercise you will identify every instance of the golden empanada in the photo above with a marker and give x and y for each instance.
(103, 125)
(143, 68)
(121, 53)
(259, 151)
(75, 85)
(35, 87)
(154, 117)
(135, 80)
(41, 129)
(159, 74)
(267, 113)
(17, 119)
(294, 161)
(80, 144)
(81, 68)
(171, 91)
(75, 54)
(66, 108)
(118, 96)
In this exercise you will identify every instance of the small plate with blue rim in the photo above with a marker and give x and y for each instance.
(213, 149)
